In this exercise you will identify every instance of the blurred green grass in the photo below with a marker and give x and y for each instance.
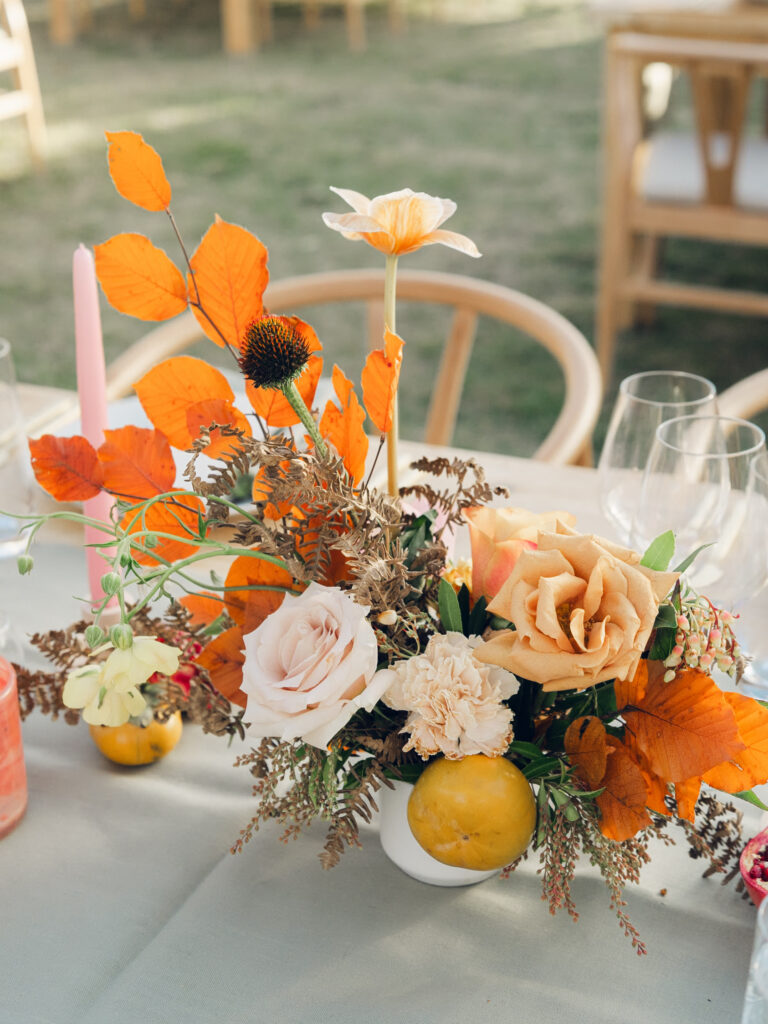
(502, 116)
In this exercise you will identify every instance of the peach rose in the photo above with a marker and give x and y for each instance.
(309, 667)
(498, 537)
(455, 704)
(583, 610)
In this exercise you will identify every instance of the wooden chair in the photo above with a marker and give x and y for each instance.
(711, 183)
(568, 441)
(18, 59)
(746, 398)
(247, 24)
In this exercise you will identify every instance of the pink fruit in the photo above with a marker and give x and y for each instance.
(754, 867)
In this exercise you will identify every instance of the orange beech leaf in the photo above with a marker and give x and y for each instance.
(230, 275)
(67, 467)
(137, 171)
(249, 608)
(272, 405)
(657, 792)
(172, 388)
(379, 379)
(686, 795)
(217, 410)
(632, 691)
(585, 745)
(204, 608)
(223, 660)
(343, 427)
(623, 801)
(684, 727)
(749, 767)
(178, 515)
(137, 463)
(139, 279)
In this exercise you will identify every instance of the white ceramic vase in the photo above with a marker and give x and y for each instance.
(402, 849)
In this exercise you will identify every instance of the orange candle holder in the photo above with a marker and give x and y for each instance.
(13, 775)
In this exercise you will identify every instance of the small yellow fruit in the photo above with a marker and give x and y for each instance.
(476, 813)
(135, 744)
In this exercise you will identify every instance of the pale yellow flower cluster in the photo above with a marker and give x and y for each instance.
(108, 691)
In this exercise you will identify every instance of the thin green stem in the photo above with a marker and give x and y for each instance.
(299, 406)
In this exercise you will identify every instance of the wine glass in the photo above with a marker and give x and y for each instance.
(15, 475)
(754, 615)
(645, 400)
(699, 483)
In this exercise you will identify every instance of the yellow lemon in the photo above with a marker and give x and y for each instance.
(477, 813)
(136, 744)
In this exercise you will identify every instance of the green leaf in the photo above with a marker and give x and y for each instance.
(659, 552)
(448, 606)
(666, 618)
(662, 645)
(687, 562)
(524, 749)
(463, 598)
(476, 623)
(751, 798)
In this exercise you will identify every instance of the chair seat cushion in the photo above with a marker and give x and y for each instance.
(671, 170)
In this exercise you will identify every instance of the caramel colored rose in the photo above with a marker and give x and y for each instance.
(583, 609)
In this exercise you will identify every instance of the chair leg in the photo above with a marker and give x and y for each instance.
(311, 14)
(612, 263)
(355, 25)
(647, 269)
(239, 28)
(396, 16)
(26, 80)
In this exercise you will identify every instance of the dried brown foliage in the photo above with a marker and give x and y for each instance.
(466, 487)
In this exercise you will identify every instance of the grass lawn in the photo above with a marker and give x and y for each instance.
(500, 115)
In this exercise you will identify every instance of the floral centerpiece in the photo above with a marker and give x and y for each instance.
(560, 682)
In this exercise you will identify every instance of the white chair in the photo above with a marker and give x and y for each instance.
(569, 439)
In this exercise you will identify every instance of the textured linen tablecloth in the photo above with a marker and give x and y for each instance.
(120, 902)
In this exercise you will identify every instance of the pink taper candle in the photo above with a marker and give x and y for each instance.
(92, 388)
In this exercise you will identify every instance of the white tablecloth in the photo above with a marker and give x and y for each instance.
(120, 903)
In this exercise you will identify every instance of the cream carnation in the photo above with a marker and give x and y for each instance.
(454, 703)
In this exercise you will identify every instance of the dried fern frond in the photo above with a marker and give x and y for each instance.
(468, 487)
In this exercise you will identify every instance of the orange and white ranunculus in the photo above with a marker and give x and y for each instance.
(583, 610)
(309, 667)
(498, 537)
(398, 222)
(455, 704)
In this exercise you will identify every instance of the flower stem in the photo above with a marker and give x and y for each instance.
(299, 406)
(390, 291)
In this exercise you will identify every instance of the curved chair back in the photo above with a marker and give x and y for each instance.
(746, 398)
(569, 439)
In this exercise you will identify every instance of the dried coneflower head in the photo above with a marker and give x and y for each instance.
(274, 351)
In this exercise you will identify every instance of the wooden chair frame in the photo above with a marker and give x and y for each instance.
(720, 72)
(569, 440)
(746, 398)
(17, 57)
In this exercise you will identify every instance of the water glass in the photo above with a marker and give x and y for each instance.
(645, 400)
(751, 627)
(16, 487)
(699, 483)
(756, 997)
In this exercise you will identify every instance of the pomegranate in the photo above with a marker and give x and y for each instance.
(754, 867)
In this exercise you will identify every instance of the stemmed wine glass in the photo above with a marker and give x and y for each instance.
(645, 400)
(700, 482)
(754, 614)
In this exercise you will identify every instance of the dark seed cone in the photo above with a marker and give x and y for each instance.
(273, 353)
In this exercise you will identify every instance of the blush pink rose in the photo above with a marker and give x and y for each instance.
(498, 536)
(309, 667)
